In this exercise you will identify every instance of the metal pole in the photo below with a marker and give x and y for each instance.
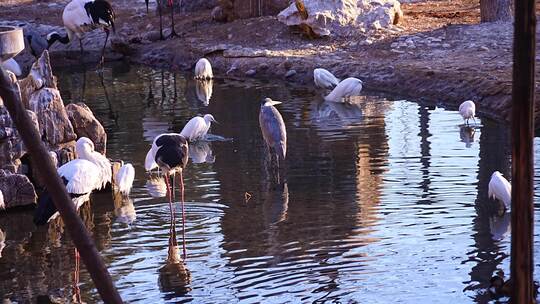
(74, 225)
(523, 89)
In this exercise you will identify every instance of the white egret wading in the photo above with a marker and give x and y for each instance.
(324, 79)
(467, 110)
(123, 179)
(197, 127)
(82, 16)
(500, 189)
(346, 88)
(203, 69)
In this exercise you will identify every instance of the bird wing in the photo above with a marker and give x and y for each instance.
(124, 178)
(273, 129)
(12, 66)
(83, 176)
(194, 129)
(149, 161)
(325, 79)
(75, 17)
(203, 69)
(348, 87)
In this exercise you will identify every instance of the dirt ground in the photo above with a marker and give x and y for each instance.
(438, 53)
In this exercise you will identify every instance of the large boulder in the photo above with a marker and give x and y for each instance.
(85, 124)
(11, 145)
(341, 17)
(54, 125)
(16, 189)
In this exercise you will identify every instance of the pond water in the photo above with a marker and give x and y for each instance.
(382, 202)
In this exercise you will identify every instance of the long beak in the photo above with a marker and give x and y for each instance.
(275, 102)
(216, 122)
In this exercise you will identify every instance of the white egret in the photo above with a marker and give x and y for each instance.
(203, 69)
(84, 148)
(273, 128)
(197, 127)
(82, 16)
(324, 79)
(170, 152)
(81, 177)
(12, 66)
(203, 90)
(500, 189)
(124, 178)
(467, 110)
(346, 88)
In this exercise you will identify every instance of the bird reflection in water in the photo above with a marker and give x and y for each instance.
(466, 135)
(124, 210)
(203, 90)
(499, 226)
(346, 112)
(201, 152)
(276, 204)
(155, 185)
(174, 277)
(76, 297)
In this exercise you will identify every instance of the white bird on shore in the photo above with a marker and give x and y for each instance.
(84, 148)
(273, 128)
(197, 127)
(81, 177)
(346, 88)
(500, 189)
(82, 16)
(203, 69)
(467, 110)
(324, 79)
(124, 179)
(12, 66)
(2, 204)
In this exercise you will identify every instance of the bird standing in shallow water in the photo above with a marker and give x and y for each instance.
(124, 179)
(346, 88)
(203, 69)
(197, 127)
(467, 110)
(500, 189)
(273, 129)
(170, 152)
(324, 79)
(84, 148)
(82, 16)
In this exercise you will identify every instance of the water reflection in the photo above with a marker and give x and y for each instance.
(203, 90)
(466, 135)
(499, 226)
(379, 192)
(174, 277)
(124, 210)
(201, 152)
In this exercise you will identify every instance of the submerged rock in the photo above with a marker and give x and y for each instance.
(17, 189)
(85, 124)
(341, 17)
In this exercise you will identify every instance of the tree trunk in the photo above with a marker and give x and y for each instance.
(496, 10)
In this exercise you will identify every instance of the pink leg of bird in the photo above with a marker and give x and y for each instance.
(183, 214)
(170, 198)
(173, 31)
(76, 290)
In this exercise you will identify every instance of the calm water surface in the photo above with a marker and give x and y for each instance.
(383, 202)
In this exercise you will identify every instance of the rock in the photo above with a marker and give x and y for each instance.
(197, 5)
(263, 66)
(340, 17)
(11, 145)
(250, 72)
(152, 36)
(120, 44)
(243, 9)
(17, 190)
(54, 125)
(85, 124)
(290, 73)
(483, 48)
(40, 76)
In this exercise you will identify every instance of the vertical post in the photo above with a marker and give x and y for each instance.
(74, 225)
(523, 89)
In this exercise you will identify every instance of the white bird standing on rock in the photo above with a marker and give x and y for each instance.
(12, 66)
(203, 69)
(124, 178)
(500, 189)
(346, 88)
(85, 150)
(197, 127)
(467, 110)
(324, 79)
(82, 16)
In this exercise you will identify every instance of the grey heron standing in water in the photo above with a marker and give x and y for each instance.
(273, 129)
